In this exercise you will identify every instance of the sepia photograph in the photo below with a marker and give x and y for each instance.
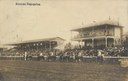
(64, 40)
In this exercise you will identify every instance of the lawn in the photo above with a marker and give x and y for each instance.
(11, 70)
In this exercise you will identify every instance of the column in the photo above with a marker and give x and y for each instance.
(121, 35)
(92, 43)
(81, 43)
(50, 45)
(114, 42)
(84, 43)
(106, 42)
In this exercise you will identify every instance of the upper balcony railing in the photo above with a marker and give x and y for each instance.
(92, 35)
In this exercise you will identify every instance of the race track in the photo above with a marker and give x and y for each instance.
(11, 70)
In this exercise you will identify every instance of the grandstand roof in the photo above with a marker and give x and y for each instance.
(1, 46)
(99, 24)
(37, 40)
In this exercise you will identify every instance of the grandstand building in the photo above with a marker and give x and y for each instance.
(99, 35)
(40, 44)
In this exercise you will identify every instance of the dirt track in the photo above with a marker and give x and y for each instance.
(53, 71)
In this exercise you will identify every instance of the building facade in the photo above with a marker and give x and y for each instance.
(39, 44)
(99, 35)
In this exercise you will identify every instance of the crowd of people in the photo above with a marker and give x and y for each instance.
(76, 55)
(69, 55)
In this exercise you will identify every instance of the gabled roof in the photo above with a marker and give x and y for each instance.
(37, 40)
(99, 24)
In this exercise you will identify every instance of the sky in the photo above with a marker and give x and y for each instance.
(55, 17)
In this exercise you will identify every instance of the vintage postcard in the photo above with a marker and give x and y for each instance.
(63, 40)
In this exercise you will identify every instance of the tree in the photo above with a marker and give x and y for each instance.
(68, 46)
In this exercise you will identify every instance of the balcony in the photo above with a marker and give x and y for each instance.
(88, 35)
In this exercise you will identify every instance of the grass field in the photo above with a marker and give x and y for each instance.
(55, 71)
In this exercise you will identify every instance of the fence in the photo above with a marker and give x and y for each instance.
(88, 59)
